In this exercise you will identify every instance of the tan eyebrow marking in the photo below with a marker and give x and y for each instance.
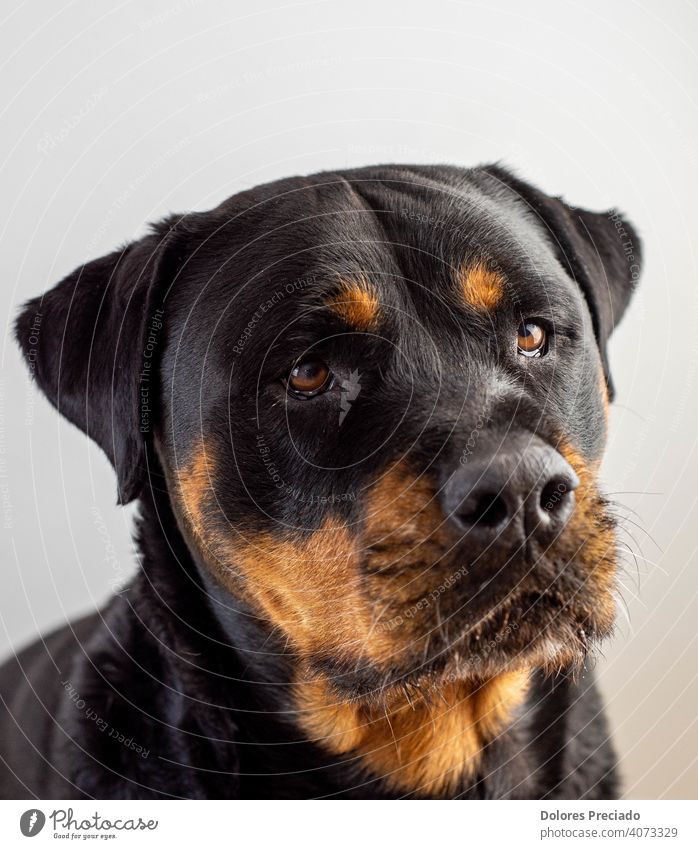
(356, 303)
(481, 287)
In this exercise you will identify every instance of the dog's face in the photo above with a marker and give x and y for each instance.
(379, 402)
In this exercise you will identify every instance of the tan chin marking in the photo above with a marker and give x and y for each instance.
(356, 303)
(425, 746)
(481, 287)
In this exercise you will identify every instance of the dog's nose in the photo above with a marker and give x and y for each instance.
(523, 490)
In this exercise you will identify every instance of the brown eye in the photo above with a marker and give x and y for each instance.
(532, 339)
(309, 379)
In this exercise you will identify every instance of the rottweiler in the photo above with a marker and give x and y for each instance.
(363, 414)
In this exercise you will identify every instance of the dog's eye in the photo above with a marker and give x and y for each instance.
(309, 379)
(532, 339)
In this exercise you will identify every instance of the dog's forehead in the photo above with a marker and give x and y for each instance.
(395, 241)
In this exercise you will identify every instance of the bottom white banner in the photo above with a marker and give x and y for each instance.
(349, 824)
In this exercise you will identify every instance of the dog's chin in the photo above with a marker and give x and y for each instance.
(504, 643)
(531, 631)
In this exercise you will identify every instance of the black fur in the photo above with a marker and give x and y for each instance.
(177, 688)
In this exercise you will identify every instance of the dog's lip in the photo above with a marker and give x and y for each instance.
(545, 610)
(474, 653)
(525, 606)
(526, 599)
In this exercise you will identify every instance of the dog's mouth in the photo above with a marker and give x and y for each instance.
(541, 629)
(529, 629)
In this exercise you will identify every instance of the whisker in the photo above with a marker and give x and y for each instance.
(632, 594)
(626, 614)
(644, 531)
(652, 563)
(631, 492)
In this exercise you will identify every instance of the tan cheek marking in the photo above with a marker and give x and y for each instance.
(407, 544)
(427, 745)
(311, 589)
(589, 524)
(481, 287)
(357, 305)
(403, 514)
(315, 589)
(194, 489)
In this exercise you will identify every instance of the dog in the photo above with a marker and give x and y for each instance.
(363, 414)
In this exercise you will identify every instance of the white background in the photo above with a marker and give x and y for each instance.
(114, 114)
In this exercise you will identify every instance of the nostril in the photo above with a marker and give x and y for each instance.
(556, 495)
(488, 511)
(525, 490)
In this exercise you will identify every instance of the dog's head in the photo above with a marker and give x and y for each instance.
(379, 401)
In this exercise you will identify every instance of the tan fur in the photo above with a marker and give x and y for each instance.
(603, 386)
(313, 589)
(310, 588)
(194, 485)
(481, 287)
(598, 538)
(426, 745)
(356, 303)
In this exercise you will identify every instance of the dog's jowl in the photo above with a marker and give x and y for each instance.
(363, 414)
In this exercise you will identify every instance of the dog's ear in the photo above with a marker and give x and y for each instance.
(600, 250)
(92, 342)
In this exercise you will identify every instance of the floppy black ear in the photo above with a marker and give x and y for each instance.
(600, 250)
(91, 344)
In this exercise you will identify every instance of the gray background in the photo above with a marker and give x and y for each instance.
(118, 113)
